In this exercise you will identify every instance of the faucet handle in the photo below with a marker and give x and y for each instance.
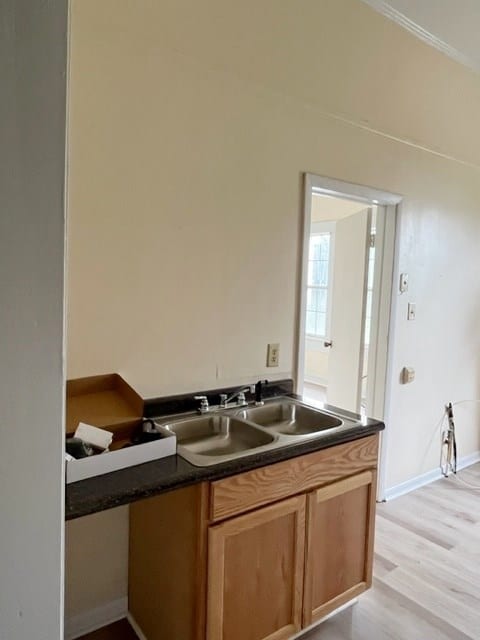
(204, 406)
(241, 401)
(223, 400)
(258, 392)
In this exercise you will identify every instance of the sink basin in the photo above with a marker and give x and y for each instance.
(217, 437)
(290, 418)
(225, 435)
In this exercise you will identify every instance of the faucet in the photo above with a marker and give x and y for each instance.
(240, 395)
(225, 399)
(258, 392)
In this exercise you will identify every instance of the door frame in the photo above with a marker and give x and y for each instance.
(382, 328)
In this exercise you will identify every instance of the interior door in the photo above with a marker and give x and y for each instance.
(352, 242)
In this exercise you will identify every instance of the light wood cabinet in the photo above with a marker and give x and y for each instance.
(259, 555)
(340, 533)
(255, 574)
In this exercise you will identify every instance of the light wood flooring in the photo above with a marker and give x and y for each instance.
(426, 574)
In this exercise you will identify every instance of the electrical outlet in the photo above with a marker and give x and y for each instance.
(411, 311)
(273, 354)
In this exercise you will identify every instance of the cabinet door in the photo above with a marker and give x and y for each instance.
(339, 554)
(256, 572)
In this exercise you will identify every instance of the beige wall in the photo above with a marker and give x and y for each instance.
(96, 561)
(190, 127)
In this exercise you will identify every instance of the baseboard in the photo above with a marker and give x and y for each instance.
(97, 618)
(135, 627)
(426, 478)
(320, 382)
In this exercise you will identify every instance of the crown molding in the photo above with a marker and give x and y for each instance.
(389, 12)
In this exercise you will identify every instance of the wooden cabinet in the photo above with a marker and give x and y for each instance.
(259, 555)
(340, 533)
(255, 574)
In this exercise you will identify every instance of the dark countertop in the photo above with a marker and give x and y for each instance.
(151, 478)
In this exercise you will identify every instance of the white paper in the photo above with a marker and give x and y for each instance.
(99, 438)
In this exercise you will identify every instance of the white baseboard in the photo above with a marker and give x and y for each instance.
(426, 478)
(320, 382)
(96, 618)
(135, 627)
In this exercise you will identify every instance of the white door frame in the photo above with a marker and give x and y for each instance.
(383, 323)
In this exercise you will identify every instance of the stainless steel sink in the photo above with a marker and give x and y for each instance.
(221, 437)
(290, 418)
(234, 433)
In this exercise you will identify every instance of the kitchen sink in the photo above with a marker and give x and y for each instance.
(217, 436)
(290, 418)
(227, 434)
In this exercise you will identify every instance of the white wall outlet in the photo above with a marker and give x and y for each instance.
(411, 311)
(273, 354)
(403, 282)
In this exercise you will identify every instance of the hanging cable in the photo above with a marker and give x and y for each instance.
(448, 458)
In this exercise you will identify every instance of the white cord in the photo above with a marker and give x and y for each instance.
(437, 428)
(463, 402)
(468, 485)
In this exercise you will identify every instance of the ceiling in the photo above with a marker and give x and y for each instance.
(452, 26)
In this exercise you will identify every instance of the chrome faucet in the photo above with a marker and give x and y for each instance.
(226, 400)
(240, 395)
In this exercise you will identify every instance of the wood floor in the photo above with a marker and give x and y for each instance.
(118, 631)
(426, 574)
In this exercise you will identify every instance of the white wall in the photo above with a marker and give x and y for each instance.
(191, 124)
(96, 567)
(33, 37)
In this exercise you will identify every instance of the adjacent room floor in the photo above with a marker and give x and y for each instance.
(426, 574)
(314, 394)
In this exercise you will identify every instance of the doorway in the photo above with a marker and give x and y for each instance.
(341, 256)
(346, 293)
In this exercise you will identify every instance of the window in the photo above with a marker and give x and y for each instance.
(319, 258)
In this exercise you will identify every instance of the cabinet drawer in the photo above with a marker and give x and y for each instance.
(274, 482)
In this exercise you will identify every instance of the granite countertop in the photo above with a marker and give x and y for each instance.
(151, 478)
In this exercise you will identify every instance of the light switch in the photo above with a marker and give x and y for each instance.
(403, 282)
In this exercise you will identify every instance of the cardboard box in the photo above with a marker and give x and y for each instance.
(108, 402)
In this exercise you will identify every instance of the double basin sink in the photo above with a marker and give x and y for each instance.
(228, 434)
